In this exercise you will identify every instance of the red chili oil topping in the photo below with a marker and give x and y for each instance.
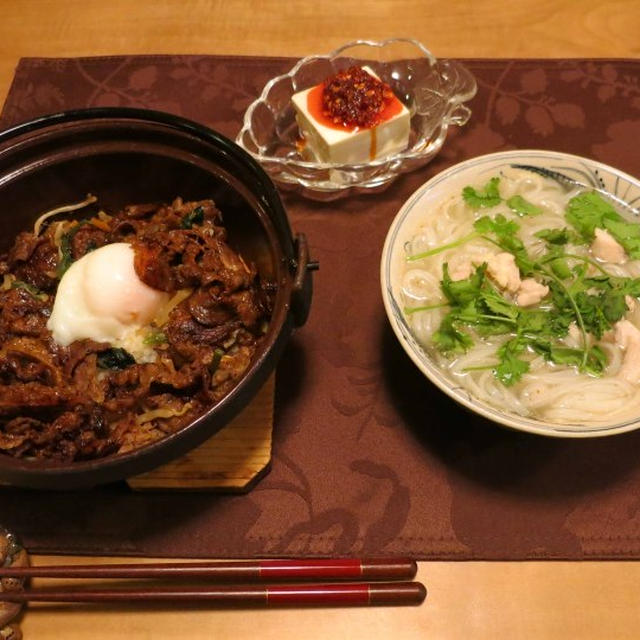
(352, 99)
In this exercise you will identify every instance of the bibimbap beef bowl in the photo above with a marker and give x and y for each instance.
(149, 281)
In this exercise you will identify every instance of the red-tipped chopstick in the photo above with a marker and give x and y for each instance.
(345, 594)
(239, 571)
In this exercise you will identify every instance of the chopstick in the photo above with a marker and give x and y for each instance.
(320, 594)
(234, 571)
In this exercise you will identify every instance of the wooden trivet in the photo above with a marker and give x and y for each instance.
(231, 460)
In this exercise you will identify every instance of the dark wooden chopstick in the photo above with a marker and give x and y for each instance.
(319, 594)
(276, 570)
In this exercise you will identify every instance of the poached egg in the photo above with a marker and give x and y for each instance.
(102, 298)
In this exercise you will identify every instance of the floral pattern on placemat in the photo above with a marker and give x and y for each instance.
(200, 87)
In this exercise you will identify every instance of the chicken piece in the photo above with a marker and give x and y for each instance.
(463, 265)
(606, 248)
(531, 292)
(502, 268)
(628, 338)
(460, 270)
(574, 336)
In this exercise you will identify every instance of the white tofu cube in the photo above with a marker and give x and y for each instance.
(361, 145)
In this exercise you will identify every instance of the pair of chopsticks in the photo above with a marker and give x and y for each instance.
(281, 582)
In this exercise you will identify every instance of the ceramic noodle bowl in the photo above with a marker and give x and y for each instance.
(539, 389)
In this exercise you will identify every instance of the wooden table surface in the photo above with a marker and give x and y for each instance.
(541, 600)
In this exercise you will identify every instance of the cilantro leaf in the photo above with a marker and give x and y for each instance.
(613, 292)
(498, 225)
(599, 309)
(558, 355)
(628, 286)
(533, 321)
(580, 270)
(514, 245)
(511, 368)
(605, 283)
(593, 315)
(493, 326)
(559, 323)
(523, 207)
(558, 236)
(449, 339)
(614, 306)
(550, 323)
(561, 269)
(595, 363)
(485, 198)
(587, 211)
(498, 304)
(460, 292)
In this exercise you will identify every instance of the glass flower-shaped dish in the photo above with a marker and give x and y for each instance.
(433, 90)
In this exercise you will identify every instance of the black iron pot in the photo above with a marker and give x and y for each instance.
(131, 155)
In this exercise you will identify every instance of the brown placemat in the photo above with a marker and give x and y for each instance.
(369, 457)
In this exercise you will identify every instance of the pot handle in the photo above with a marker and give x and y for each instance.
(302, 285)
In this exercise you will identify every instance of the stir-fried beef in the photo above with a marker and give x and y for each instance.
(22, 313)
(88, 400)
(87, 238)
(34, 261)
